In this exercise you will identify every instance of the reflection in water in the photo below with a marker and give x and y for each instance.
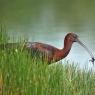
(49, 22)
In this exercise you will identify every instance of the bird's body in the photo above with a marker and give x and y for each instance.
(50, 53)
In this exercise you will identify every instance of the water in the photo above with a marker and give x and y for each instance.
(49, 21)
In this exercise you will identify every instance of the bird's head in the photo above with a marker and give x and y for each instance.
(72, 37)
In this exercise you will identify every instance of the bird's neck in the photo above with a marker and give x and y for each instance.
(66, 49)
(63, 52)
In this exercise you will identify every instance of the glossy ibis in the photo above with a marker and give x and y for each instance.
(54, 54)
(51, 53)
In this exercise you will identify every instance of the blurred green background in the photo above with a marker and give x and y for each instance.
(50, 20)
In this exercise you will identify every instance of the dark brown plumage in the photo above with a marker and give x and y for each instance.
(54, 54)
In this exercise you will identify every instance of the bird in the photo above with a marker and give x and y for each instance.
(54, 54)
(50, 53)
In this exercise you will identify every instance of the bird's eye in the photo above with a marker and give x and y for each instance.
(69, 38)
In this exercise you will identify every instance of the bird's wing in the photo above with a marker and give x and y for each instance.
(41, 47)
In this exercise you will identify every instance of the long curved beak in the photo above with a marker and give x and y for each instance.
(92, 56)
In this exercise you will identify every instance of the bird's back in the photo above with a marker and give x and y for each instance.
(45, 48)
